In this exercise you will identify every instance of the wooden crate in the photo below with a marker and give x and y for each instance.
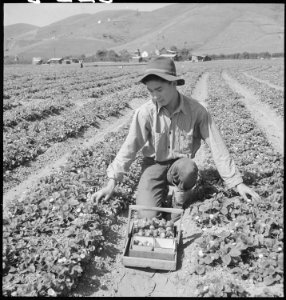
(162, 255)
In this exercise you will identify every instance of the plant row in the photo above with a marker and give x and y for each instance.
(27, 141)
(54, 232)
(34, 111)
(244, 237)
(271, 96)
(38, 109)
(16, 78)
(89, 85)
(274, 75)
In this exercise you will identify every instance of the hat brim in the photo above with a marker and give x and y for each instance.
(167, 77)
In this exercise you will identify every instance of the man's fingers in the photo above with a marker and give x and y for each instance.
(256, 196)
(96, 197)
(246, 198)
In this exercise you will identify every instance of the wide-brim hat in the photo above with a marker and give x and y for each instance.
(163, 67)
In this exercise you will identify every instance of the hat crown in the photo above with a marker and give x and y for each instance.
(163, 65)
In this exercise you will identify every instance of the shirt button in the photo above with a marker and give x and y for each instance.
(168, 147)
(169, 132)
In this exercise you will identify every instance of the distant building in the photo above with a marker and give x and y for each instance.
(168, 53)
(37, 61)
(137, 59)
(206, 58)
(197, 58)
(173, 56)
(67, 61)
(55, 61)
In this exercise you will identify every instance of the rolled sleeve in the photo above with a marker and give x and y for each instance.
(135, 140)
(223, 161)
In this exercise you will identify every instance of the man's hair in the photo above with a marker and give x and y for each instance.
(154, 77)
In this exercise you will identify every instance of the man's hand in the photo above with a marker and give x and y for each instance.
(105, 192)
(244, 190)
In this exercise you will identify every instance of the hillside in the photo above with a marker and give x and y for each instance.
(205, 28)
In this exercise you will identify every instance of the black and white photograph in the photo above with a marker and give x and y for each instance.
(143, 149)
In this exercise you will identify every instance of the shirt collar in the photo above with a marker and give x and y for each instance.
(181, 107)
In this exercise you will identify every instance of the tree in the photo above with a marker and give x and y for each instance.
(124, 55)
(184, 54)
(112, 55)
(101, 55)
(174, 48)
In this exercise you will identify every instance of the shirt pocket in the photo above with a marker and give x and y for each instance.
(185, 142)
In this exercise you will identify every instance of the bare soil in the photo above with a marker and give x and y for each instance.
(275, 86)
(266, 119)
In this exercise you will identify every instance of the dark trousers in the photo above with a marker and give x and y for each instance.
(156, 176)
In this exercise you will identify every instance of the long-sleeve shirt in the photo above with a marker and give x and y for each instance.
(164, 137)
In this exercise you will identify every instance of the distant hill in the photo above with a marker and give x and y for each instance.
(205, 28)
(15, 30)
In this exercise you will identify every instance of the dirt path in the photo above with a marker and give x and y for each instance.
(277, 87)
(57, 155)
(266, 118)
(200, 93)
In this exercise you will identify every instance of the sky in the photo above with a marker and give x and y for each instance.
(46, 13)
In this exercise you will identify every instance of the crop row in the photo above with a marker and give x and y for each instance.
(273, 97)
(35, 110)
(54, 232)
(89, 84)
(70, 189)
(57, 216)
(24, 143)
(274, 75)
(244, 237)
(31, 78)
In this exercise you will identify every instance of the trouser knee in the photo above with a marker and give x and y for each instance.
(183, 173)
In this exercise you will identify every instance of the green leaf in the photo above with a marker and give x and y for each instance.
(226, 259)
(200, 269)
(203, 208)
(234, 252)
(224, 211)
(73, 202)
(269, 280)
(224, 234)
(208, 259)
(237, 270)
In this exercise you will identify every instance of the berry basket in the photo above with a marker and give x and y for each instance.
(151, 243)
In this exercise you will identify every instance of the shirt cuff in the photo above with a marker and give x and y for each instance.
(233, 182)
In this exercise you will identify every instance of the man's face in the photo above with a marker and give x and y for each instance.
(162, 92)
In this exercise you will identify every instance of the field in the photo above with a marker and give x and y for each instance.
(63, 125)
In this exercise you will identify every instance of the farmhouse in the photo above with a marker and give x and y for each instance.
(197, 58)
(55, 61)
(168, 53)
(137, 57)
(37, 61)
(67, 61)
